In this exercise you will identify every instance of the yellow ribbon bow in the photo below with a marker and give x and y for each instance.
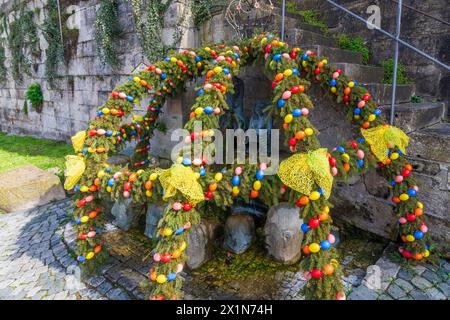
(303, 170)
(182, 179)
(383, 137)
(78, 141)
(74, 170)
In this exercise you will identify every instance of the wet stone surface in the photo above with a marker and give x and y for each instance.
(37, 263)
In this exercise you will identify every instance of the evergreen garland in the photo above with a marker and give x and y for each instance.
(293, 72)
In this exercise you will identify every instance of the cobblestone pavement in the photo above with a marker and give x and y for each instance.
(36, 262)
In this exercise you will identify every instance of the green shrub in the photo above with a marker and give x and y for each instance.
(34, 95)
(388, 66)
(355, 44)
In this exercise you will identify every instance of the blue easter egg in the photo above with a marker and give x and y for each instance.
(320, 191)
(340, 149)
(171, 276)
(187, 162)
(81, 259)
(418, 234)
(295, 71)
(393, 183)
(325, 245)
(357, 111)
(225, 71)
(108, 170)
(277, 57)
(259, 174)
(412, 192)
(296, 112)
(236, 55)
(130, 99)
(208, 110)
(304, 56)
(110, 182)
(77, 221)
(281, 103)
(236, 180)
(163, 76)
(167, 59)
(200, 92)
(197, 59)
(109, 133)
(202, 172)
(304, 228)
(361, 140)
(76, 188)
(360, 163)
(84, 151)
(333, 82)
(99, 113)
(377, 112)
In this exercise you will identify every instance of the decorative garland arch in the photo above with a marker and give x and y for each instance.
(304, 179)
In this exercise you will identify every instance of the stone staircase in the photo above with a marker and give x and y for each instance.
(426, 122)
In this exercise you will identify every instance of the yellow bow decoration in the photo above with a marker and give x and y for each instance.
(383, 137)
(182, 179)
(74, 170)
(78, 141)
(303, 170)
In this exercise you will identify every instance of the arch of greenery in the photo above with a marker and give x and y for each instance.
(304, 179)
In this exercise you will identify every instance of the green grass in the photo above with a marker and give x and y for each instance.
(18, 151)
(355, 44)
(388, 66)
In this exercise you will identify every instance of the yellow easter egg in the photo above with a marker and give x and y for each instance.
(324, 61)
(90, 255)
(173, 59)
(207, 49)
(351, 84)
(198, 111)
(161, 279)
(309, 131)
(404, 197)
(199, 64)
(218, 176)
(217, 70)
(326, 209)
(426, 253)
(235, 191)
(314, 247)
(100, 174)
(136, 79)
(105, 110)
(140, 171)
(84, 219)
(108, 188)
(288, 118)
(419, 205)
(372, 117)
(84, 189)
(288, 72)
(183, 246)
(257, 185)
(168, 232)
(314, 195)
(148, 193)
(410, 238)
(153, 176)
(394, 156)
(345, 157)
(333, 89)
(263, 40)
(304, 64)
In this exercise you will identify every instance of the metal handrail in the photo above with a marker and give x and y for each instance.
(423, 13)
(395, 38)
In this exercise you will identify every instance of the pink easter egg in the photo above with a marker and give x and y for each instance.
(286, 95)
(217, 110)
(207, 86)
(416, 188)
(126, 194)
(331, 238)
(197, 162)
(157, 257)
(335, 75)
(305, 111)
(292, 148)
(424, 228)
(334, 171)
(307, 275)
(360, 154)
(282, 190)
(122, 95)
(187, 225)
(308, 52)
(177, 206)
(402, 220)
(238, 170)
(341, 296)
(89, 198)
(101, 132)
(179, 268)
(266, 56)
(158, 71)
(117, 175)
(91, 234)
(220, 58)
(235, 48)
(187, 139)
(361, 104)
(286, 55)
(263, 166)
(398, 179)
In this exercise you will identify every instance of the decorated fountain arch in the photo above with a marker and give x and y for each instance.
(305, 179)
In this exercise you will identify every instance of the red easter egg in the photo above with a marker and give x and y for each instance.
(166, 257)
(187, 206)
(316, 273)
(314, 223)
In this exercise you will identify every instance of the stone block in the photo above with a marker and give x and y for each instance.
(125, 214)
(432, 143)
(154, 214)
(337, 55)
(283, 235)
(28, 187)
(361, 73)
(200, 248)
(239, 232)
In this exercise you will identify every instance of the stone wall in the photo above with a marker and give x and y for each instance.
(423, 32)
(85, 82)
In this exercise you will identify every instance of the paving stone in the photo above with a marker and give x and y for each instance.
(95, 281)
(105, 287)
(431, 276)
(405, 285)
(363, 293)
(384, 297)
(434, 294)
(418, 295)
(405, 274)
(117, 294)
(445, 289)
(395, 291)
(421, 283)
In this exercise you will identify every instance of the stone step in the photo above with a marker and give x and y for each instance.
(305, 38)
(382, 92)
(336, 55)
(432, 143)
(415, 116)
(361, 73)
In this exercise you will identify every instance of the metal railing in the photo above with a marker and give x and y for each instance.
(395, 37)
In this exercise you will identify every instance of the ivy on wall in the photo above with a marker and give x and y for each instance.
(52, 34)
(107, 29)
(22, 40)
